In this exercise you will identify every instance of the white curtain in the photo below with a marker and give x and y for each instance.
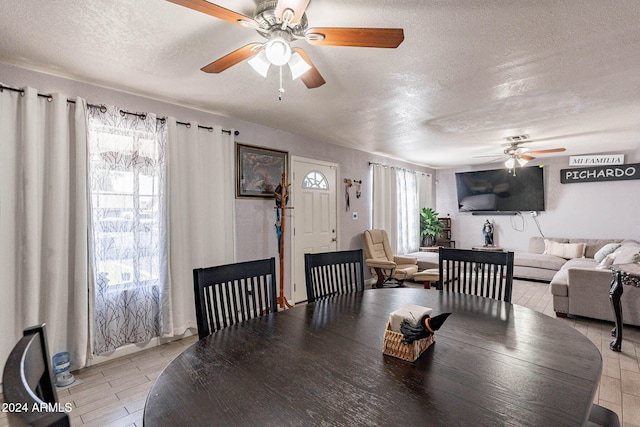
(43, 226)
(128, 251)
(395, 206)
(408, 212)
(201, 212)
(384, 202)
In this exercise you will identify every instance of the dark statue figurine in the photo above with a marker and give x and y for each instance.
(487, 229)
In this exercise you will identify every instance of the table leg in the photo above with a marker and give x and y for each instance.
(615, 295)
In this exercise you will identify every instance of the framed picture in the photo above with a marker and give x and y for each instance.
(259, 170)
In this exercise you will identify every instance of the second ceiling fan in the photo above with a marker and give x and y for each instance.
(282, 22)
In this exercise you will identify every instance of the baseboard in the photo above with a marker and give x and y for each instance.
(129, 349)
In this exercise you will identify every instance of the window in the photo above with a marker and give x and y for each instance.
(315, 180)
(125, 197)
(129, 250)
(395, 207)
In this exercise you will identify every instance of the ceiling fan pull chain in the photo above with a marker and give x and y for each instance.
(281, 90)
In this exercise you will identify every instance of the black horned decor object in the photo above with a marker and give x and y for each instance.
(426, 326)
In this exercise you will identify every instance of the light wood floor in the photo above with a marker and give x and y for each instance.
(114, 393)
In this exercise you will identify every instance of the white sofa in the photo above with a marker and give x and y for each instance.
(577, 285)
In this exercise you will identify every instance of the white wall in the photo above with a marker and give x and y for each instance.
(580, 210)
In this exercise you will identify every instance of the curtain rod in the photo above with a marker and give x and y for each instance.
(123, 112)
(398, 167)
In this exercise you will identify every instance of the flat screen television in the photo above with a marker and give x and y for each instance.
(499, 190)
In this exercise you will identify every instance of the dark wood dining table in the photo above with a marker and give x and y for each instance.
(492, 363)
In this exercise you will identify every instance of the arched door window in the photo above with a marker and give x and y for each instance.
(315, 180)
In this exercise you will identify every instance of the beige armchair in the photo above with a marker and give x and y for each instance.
(381, 259)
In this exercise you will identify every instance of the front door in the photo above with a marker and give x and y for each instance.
(314, 195)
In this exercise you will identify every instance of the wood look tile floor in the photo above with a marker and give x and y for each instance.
(114, 393)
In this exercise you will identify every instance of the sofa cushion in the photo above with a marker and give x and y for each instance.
(607, 262)
(605, 250)
(559, 283)
(627, 253)
(593, 245)
(564, 250)
(548, 262)
(580, 263)
(536, 244)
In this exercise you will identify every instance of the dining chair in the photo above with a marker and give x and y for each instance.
(602, 417)
(483, 273)
(233, 293)
(27, 383)
(333, 273)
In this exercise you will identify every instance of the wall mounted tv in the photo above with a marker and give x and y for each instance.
(499, 190)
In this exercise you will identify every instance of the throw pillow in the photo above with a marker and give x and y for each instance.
(605, 250)
(564, 250)
(607, 261)
(627, 254)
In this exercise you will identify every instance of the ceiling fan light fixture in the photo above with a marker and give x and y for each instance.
(298, 66)
(278, 51)
(260, 63)
(522, 161)
(510, 163)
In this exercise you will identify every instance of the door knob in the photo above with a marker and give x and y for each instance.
(334, 240)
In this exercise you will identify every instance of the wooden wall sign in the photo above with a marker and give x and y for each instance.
(597, 160)
(600, 173)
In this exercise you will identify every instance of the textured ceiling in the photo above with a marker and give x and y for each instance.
(468, 73)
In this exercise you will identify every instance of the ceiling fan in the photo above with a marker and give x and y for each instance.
(520, 156)
(282, 22)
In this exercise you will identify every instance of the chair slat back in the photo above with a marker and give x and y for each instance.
(233, 293)
(483, 273)
(27, 381)
(333, 273)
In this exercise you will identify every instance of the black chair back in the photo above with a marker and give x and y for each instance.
(233, 293)
(483, 273)
(27, 383)
(333, 273)
(602, 417)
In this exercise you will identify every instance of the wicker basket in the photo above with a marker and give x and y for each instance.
(393, 345)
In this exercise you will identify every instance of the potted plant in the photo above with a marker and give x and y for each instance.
(430, 226)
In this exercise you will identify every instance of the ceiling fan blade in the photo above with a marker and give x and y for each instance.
(312, 78)
(357, 37)
(216, 11)
(551, 150)
(526, 157)
(297, 6)
(232, 58)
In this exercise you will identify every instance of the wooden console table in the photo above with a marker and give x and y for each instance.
(623, 274)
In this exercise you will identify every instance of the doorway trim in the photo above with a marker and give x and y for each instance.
(294, 195)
